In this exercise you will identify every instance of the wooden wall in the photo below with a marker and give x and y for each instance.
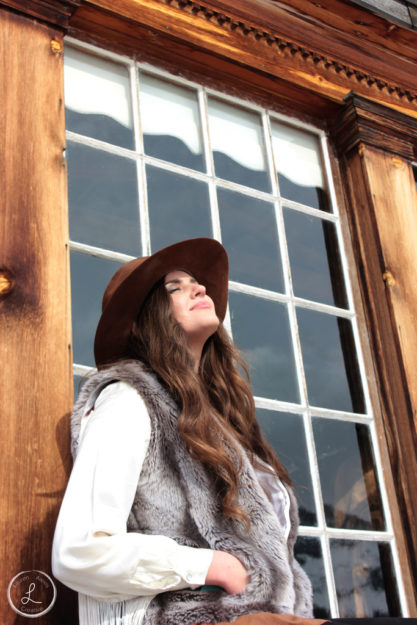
(36, 379)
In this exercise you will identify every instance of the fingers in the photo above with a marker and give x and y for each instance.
(228, 572)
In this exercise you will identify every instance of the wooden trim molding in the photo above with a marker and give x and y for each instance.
(267, 38)
(381, 204)
(371, 123)
(54, 12)
(285, 47)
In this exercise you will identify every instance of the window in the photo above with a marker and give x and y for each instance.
(153, 159)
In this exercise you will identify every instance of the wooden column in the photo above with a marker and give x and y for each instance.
(377, 146)
(35, 334)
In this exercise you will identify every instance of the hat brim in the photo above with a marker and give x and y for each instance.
(205, 258)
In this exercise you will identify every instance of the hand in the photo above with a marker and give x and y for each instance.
(228, 572)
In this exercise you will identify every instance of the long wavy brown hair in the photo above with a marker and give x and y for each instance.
(217, 408)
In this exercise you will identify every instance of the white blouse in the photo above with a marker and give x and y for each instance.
(92, 551)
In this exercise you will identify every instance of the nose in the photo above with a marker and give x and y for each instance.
(199, 290)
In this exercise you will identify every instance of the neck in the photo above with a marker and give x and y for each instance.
(196, 351)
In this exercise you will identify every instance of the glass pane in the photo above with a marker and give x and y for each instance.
(179, 208)
(103, 199)
(315, 260)
(299, 167)
(170, 122)
(97, 98)
(261, 329)
(237, 145)
(285, 432)
(78, 382)
(308, 553)
(249, 233)
(365, 580)
(350, 488)
(330, 363)
(89, 278)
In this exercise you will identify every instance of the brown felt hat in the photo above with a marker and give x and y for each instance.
(206, 259)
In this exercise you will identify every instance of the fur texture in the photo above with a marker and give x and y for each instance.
(175, 497)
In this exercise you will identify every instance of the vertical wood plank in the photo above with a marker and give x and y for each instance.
(393, 189)
(378, 208)
(35, 381)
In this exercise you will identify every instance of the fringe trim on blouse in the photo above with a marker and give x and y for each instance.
(129, 612)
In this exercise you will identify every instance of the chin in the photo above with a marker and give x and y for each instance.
(209, 329)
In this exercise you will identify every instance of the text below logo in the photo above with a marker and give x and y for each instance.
(31, 593)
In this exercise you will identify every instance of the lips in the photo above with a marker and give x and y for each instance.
(200, 305)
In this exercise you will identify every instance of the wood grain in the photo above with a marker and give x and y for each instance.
(283, 45)
(373, 190)
(344, 21)
(55, 12)
(35, 383)
(371, 123)
(184, 59)
(393, 188)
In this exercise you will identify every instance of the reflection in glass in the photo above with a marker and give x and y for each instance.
(179, 207)
(285, 432)
(315, 260)
(237, 145)
(89, 278)
(365, 580)
(350, 488)
(330, 363)
(308, 553)
(170, 122)
(103, 199)
(299, 168)
(249, 233)
(261, 329)
(97, 98)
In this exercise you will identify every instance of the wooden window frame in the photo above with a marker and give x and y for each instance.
(255, 47)
(321, 530)
(336, 132)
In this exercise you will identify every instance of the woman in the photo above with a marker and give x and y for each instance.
(177, 510)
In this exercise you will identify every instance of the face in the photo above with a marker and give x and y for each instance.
(192, 307)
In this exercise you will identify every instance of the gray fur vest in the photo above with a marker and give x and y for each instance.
(176, 498)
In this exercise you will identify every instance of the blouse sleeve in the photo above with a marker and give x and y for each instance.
(92, 551)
